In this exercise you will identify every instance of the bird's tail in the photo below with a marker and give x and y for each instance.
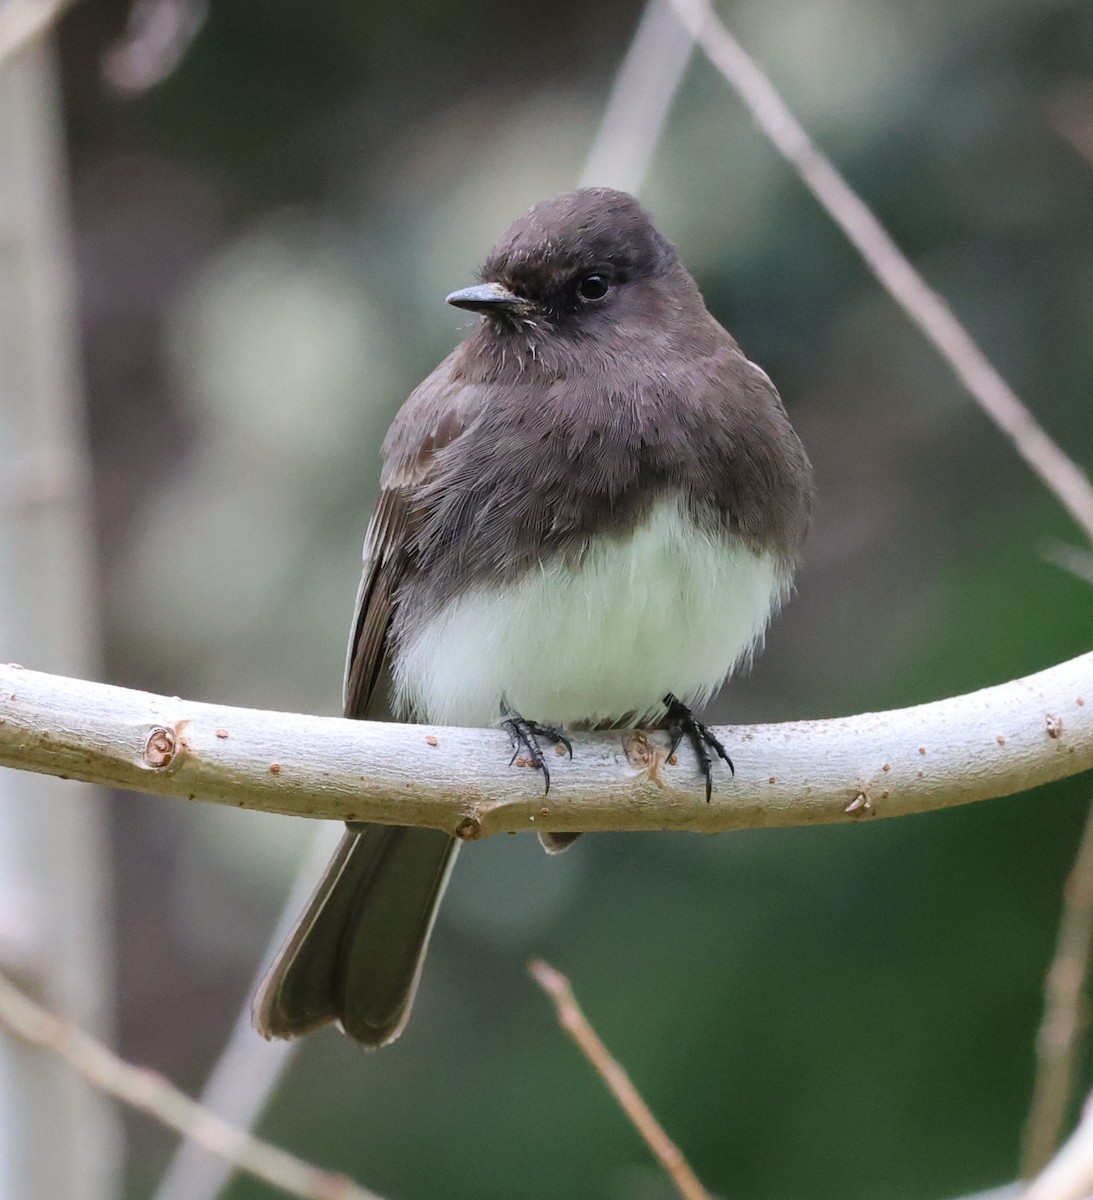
(355, 955)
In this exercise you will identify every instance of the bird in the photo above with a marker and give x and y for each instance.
(588, 514)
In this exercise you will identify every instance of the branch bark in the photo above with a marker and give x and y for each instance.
(977, 746)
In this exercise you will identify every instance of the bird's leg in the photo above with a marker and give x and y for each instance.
(524, 736)
(682, 724)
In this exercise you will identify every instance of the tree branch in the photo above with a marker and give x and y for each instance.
(989, 743)
(159, 1098)
(24, 21)
(572, 1019)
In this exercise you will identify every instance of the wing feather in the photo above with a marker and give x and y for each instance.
(434, 416)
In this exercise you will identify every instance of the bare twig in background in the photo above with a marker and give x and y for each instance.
(156, 1096)
(23, 21)
(922, 304)
(1070, 558)
(1058, 1044)
(249, 1067)
(1071, 113)
(576, 1024)
(59, 1138)
(157, 34)
(1069, 1175)
(1065, 1015)
(637, 109)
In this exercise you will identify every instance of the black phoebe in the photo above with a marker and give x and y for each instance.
(588, 514)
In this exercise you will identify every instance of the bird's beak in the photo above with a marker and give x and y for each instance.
(490, 297)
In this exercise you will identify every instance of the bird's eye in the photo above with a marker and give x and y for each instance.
(593, 287)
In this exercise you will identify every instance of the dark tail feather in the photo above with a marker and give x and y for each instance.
(555, 843)
(355, 955)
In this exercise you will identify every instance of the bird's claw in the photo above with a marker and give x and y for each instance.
(524, 736)
(682, 723)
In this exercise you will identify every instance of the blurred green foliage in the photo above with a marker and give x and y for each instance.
(264, 243)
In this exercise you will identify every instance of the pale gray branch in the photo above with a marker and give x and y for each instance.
(59, 1139)
(989, 743)
(24, 21)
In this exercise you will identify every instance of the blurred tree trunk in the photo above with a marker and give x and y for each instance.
(58, 1138)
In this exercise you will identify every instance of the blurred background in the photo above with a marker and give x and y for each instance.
(263, 242)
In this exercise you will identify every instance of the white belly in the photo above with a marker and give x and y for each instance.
(669, 609)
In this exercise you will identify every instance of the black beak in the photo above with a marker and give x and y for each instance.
(490, 298)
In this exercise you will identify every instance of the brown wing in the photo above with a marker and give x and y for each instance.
(384, 565)
(434, 415)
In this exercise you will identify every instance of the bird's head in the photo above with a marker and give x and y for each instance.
(579, 265)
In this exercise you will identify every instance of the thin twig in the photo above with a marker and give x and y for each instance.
(1069, 1175)
(249, 1068)
(1071, 113)
(1070, 558)
(24, 21)
(641, 95)
(157, 34)
(618, 1082)
(1065, 1014)
(922, 304)
(151, 1093)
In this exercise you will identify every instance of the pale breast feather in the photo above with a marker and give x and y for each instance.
(667, 608)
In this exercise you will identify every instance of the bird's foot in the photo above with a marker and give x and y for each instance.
(682, 724)
(524, 736)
